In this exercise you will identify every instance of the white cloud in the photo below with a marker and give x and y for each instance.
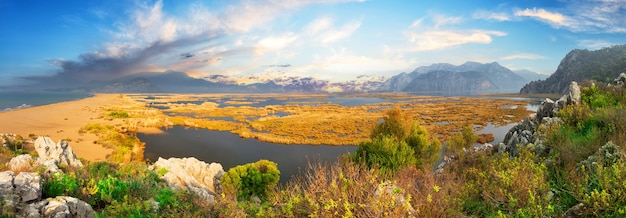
(275, 42)
(522, 56)
(442, 39)
(342, 33)
(442, 20)
(599, 16)
(318, 25)
(488, 15)
(553, 18)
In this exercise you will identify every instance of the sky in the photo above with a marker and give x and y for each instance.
(336, 40)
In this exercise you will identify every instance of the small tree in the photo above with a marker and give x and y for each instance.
(398, 142)
(466, 138)
(253, 179)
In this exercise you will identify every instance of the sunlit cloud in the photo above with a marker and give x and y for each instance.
(318, 25)
(423, 37)
(553, 18)
(339, 34)
(441, 39)
(275, 42)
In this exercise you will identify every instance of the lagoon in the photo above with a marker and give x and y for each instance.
(230, 150)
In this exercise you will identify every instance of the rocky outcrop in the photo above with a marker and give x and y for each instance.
(191, 174)
(579, 65)
(62, 206)
(60, 153)
(22, 163)
(524, 133)
(620, 81)
(21, 194)
(18, 189)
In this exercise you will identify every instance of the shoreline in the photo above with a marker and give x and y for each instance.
(62, 120)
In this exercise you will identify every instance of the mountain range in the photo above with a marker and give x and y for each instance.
(470, 77)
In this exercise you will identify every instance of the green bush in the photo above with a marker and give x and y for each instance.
(465, 139)
(119, 114)
(253, 179)
(494, 184)
(386, 153)
(398, 131)
(112, 189)
(59, 185)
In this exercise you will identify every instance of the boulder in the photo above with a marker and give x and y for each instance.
(22, 163)
(191, 174)
(620, 80)
(61, 206)
(18, 189)
(61, 152)
(546, 109)
(573, 96)
(28, 186)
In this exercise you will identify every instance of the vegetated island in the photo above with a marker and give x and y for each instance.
(567, 159)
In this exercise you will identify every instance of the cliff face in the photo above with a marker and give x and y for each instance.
(579, 65)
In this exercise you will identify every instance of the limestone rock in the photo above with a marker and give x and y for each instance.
(620, 81)
(61, 152)
(21, 163)
(28, 186)
(61, 206)
(6, 182)
(191, 174)
(18, 189)
(573, 96)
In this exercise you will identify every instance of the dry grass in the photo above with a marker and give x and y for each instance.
(306, 121)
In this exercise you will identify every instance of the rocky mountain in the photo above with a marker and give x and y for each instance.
(578, 65)
(450, 82)
(490, 77)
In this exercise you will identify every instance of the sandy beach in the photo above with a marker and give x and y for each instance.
(62, 121)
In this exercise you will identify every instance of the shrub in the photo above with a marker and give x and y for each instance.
(397, 131)
(465, 139)
(119, 114)
(495, 184)
(253, 179)
(386, 153)
(59, 185)
(599, 183)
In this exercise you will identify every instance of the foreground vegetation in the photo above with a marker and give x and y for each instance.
(582, 172)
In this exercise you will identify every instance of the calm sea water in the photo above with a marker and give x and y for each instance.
(17, 100)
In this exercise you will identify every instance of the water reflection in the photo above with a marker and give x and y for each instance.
(231, 150)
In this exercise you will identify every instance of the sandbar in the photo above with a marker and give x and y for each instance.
(62, 121)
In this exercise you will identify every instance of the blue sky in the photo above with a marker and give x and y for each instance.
(337, 40)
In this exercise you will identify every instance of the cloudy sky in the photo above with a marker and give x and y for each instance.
(336, 40)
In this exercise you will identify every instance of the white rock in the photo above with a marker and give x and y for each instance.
(61, 206)
(191, 174)
(21, 163)
(61, 152)
(28, 186)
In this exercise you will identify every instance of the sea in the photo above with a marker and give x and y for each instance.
(18, 100)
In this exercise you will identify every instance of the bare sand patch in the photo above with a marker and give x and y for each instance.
(62, 121)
